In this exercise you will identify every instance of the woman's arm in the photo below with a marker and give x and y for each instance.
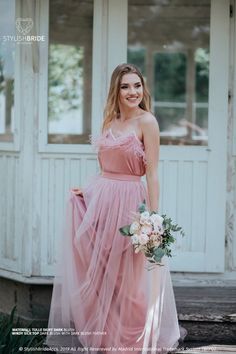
(151, 140)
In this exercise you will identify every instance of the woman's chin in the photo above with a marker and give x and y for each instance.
(131, 105)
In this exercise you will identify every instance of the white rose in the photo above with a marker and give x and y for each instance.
(134, 227)
(144, 217)
(157, 219)
(143, 239)
(158, 228)
(146, 228)
(135, 239)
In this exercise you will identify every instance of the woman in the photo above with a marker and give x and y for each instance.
(103, 294)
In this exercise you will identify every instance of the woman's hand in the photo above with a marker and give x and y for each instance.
(151, 140)
(77, 191)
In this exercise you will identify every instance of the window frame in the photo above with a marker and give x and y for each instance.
(109, 19)
(43, 144)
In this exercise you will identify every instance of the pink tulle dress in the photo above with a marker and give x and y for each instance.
(105, 300)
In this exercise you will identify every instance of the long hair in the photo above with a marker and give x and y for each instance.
(112, 107)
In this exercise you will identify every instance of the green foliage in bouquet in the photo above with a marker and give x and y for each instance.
(142, 207)
(169, 227)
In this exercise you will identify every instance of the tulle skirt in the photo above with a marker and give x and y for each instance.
(105, 300)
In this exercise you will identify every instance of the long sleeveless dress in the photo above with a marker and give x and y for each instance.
(105, 299)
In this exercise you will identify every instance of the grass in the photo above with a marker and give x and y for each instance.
(11, 344)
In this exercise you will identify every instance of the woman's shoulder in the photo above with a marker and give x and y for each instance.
(148, 120)
(147, 115)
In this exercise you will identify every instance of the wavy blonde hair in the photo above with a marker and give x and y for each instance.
(112, 110)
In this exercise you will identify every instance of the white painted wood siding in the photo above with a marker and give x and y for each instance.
(58, 175)
(179, 180)
(183, 186)
(10, 223)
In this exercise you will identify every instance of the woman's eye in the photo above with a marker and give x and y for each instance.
(125, 87)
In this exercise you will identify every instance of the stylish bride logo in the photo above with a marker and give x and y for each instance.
(24, 25)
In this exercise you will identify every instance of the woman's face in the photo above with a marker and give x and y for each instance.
(131, 91)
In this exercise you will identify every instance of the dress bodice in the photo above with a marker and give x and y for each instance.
(123, 154)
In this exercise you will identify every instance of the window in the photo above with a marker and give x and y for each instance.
(70, 71)
(7, 64)
(169, 42)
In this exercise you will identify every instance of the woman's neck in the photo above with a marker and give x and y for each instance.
(126, 114)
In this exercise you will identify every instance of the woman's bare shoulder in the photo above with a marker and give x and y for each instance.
(148, 121)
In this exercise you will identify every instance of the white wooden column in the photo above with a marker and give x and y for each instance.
(117, 33)
(100, 21)
(109, 48)
(29, 79)
(218, 115)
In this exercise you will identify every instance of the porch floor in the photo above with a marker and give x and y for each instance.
(208, 313)
(192, 348)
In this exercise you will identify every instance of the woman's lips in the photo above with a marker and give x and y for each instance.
(132, 98)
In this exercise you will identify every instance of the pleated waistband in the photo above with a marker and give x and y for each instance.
(120, 176)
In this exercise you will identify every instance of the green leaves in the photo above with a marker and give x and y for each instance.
(124, 230)
(158, 253)
(153, 212)
(171, 239)
(142, 207)
(170, 226)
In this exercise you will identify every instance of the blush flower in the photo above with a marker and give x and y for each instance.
(143, 239)
(146, 229)
(156, 239)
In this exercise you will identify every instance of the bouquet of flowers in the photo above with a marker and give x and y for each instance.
(151, 234)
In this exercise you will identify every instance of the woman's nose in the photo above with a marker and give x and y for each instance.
(132, 90)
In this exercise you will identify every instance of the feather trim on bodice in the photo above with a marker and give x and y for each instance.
(128, 141)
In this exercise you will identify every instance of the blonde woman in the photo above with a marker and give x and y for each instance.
(102, 291)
